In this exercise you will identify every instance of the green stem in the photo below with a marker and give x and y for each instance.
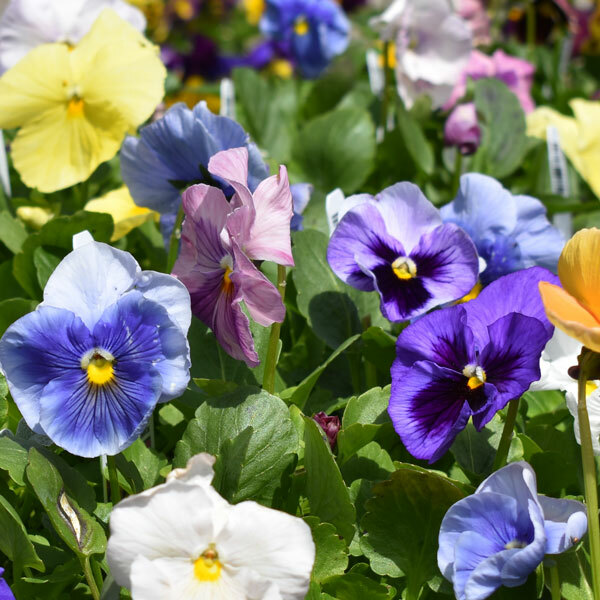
(174, 241)
(271, 360)
(531, 27)
(555, 583)
(458, 159)
(104, 483)
(89, 577)
(151, 428)
(589, 479)
(387, 75)
(113, 476)
(507, 433)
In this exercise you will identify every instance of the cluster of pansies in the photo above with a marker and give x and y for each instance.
(300, 300)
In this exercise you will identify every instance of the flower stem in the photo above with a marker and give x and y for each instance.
(271, 360)
(174, 241)
(113, 476)
(89, 577)
(589, 478)
(555, 583)
(104, 484)
(387, 75)
(507, 433)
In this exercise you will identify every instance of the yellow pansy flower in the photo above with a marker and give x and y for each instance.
(126, 214)
(579, 136)
(575, 307)
(254, 10)
(75, 105)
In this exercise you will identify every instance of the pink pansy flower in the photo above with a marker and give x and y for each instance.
(462, 130)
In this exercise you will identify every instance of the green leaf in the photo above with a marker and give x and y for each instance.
(370, 462)
(353, 586)
(574, 575)
(322, 298)
(12, 232)
(58, 235)
(502, 120)
(332, 553)
(148, 463)
(80, 531)
(13, 309)
(299, 394)
(45, 262)
(402, 524)
(368, 408)
(326, 491)
(416, 143)
(13, 458)
(253, 437)
(337, 149)
(13, 539)
(379, 348)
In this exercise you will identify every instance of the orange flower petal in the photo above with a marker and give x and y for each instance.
(569, 316)
(578, 269)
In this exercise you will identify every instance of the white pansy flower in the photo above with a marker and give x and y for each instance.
(182, 541)
(26, 24)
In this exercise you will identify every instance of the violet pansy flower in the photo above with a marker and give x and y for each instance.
(88, 366)
(510, 232)
(500, 534)
(468, 361)
(219, 239)
(5, 591)
(396, 243)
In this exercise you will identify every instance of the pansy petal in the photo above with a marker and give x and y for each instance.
(361, 234)
(90, 279)
(261, 297)
(441, 337)
(516, 480)
(232, 166)
(566, 313)
(38, 348)
(428, 408)
(565, 523)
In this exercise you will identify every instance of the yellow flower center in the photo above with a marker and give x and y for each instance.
(475, 375)
(301, 26)
(227, 284)
(590, 388)
(207, 567)
(99, 366)
(75, 108)
(404, 267)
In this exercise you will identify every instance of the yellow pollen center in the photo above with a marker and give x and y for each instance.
(404, 268)
(474, 383)
(227, 284)
(207, 567)
(301, 26)
(590, 387)
(475, 375)
(100, 371)
(75, 108)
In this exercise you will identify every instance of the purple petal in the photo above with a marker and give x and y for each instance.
(261, 297)
(565, 523)
(447, 261)
(207, 203)
(428, 407)
(515, 479)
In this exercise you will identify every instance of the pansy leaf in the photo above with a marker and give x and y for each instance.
(327, 493)
(13, 309)
(574, 575)
(14, 542)
(12, 232)
(354, 586)
(402, 524)
(80, 531)
(253, 437)
(332, 553)
(370, 462)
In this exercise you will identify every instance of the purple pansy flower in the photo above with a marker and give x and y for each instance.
(218, 240)
(462, 130)
(396, 243)
(500, 534)
(5, 591)
(330, 426)
(467, 361)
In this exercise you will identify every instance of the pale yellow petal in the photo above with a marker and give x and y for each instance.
(569, 316)
(118, 65)
(579, 269)
(587, 115)
(39, 82)
(125, 213)
(57, 151)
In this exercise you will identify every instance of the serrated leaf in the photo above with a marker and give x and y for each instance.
(253, 437)
(353, 586)
(332, 553)
(402, 524)
(326, 491)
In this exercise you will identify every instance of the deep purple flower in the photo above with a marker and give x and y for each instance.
(5, 591)
(330, 425)
(462, 130)
(395, 243)
(467, 361)
(500, 534)
(219, 239)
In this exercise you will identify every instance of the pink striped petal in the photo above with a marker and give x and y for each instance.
(232, 166)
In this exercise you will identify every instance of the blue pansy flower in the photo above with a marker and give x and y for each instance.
(510, 232)
(301, 193)
(315, 31)
(468, 361)
(500, 534)
(108, 342)
(173, 153)
(5, 591)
